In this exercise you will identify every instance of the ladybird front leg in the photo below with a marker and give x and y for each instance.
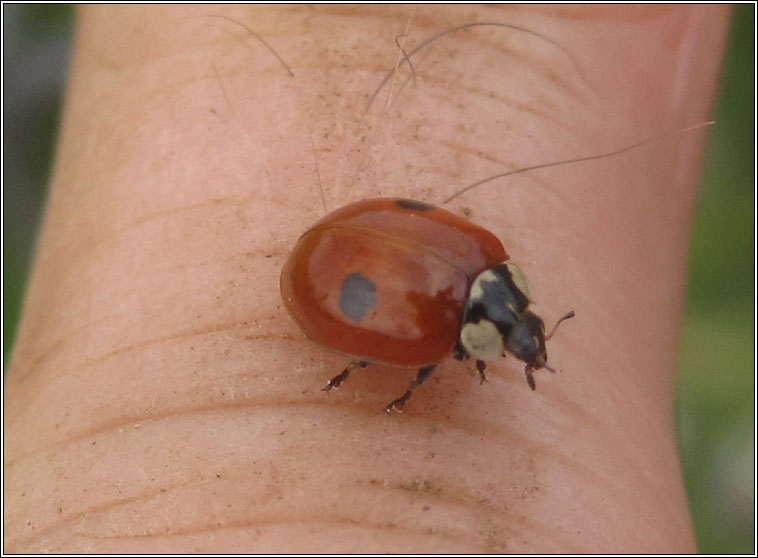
(399, 403)
(530, 377)
(342, 376)
(529, 370)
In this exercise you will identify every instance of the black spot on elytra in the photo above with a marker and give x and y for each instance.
(357, 296)
(413, 204)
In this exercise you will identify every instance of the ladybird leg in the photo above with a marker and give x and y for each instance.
(459, 353)
(530, 377)
(399, 403)
(342, 376)
(481, 367)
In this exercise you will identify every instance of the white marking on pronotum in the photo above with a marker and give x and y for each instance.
(482, 340)
(488, 276)
(519, 279)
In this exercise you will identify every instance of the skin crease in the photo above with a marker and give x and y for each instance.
(159, 397)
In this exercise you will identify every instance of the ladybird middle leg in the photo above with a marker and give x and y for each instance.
(342, 376)
(399, 403)
(481, 368)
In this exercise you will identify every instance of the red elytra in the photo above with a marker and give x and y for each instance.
(384, 280)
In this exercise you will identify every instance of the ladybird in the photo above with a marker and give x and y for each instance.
(407, 284)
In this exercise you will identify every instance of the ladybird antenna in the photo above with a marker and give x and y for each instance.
(566, 316)
(578, 159)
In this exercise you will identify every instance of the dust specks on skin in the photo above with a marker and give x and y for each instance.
(424, 486)
(498, 508)
(528, 486)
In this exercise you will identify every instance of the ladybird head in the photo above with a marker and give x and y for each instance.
(496, 320)
(527, 340)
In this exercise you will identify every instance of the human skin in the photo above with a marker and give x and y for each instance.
(159, 397)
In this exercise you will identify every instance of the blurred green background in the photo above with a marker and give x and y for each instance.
(716, 400)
